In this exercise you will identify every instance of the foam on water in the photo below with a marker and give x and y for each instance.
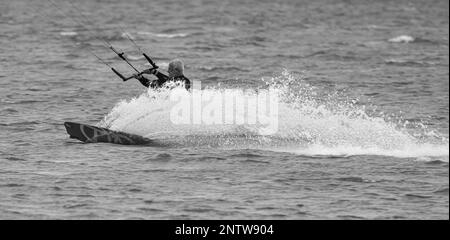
(310, 122)
(402, 39)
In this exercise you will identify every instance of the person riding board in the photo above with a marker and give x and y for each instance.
(175, 70)
(176, 74)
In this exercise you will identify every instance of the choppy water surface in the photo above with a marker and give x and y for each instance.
(363, 127)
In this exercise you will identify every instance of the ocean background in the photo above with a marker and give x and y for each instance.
(363, 121)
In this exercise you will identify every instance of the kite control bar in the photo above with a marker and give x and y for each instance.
(139, 73)
(150, 61)
(132, 76)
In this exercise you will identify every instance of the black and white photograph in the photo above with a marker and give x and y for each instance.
(224, 110)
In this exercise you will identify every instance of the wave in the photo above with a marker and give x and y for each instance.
(425, 151)
(164, 35)
(127, 35)
(410, 39)
(406, 63)
(221, 68)
(68, 34)
(134, 57)
(402, 39)
(310, 121)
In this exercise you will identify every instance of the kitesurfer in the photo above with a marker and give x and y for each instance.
(176, 74)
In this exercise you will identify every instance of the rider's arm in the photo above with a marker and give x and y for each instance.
(144, 81)
(162, 78)
(187, 83)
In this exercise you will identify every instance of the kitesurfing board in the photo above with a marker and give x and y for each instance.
(93, 134)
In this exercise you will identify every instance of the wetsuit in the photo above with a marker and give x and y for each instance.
(162, 78)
